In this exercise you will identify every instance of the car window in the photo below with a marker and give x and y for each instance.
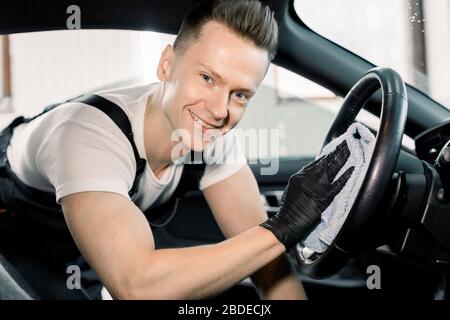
(48, 67)
(53, 66)
(289, 114)
(410, 36)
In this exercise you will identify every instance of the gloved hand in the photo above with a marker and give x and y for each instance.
(308, 193)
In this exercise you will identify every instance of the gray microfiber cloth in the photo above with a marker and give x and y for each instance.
(360, 142)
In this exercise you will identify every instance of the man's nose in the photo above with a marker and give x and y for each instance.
(218, 106)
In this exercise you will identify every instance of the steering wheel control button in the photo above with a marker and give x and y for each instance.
(433, 153)
(440, 195)
(442, 165)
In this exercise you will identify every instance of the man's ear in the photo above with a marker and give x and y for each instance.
(165, 63)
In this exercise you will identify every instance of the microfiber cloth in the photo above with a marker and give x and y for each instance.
(360, 142)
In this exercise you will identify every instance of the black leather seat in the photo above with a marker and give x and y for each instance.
(12, 285)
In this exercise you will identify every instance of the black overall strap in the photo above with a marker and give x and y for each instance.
(192, 172)
(116, 114)
(120, 118)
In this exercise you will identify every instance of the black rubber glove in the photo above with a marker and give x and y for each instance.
(308, 193)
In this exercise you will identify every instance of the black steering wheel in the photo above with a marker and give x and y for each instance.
(356, 234)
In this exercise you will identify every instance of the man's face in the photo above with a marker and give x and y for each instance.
(208, 85)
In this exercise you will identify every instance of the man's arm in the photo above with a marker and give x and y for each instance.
(237, 207)
(116, 240)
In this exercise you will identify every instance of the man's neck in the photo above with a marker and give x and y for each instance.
(157, 132)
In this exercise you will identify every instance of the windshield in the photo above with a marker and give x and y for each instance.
(410, 36)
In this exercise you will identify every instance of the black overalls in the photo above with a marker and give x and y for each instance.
(32, 223)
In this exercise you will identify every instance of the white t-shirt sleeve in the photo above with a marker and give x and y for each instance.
(223, 159)
(87, 155)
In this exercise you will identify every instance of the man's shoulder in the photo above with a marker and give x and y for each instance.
(125, 95)
(76, 121)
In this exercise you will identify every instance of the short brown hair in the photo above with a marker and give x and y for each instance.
(249, 19)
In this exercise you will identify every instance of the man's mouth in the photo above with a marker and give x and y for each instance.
(202, 122)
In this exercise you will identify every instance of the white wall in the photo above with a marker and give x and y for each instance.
(1, 67)
(48, 67)
(438, 46)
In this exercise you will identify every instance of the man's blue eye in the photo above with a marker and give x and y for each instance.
(206, 78)
(240, 96)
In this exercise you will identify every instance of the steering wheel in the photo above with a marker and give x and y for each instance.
(357, 233)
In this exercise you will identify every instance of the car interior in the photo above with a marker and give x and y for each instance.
(400, 220)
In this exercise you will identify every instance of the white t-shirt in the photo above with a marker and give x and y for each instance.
(76, 147)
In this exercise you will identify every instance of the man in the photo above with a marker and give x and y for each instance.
(217, 62)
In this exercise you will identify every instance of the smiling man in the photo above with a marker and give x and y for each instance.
(76, 154)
